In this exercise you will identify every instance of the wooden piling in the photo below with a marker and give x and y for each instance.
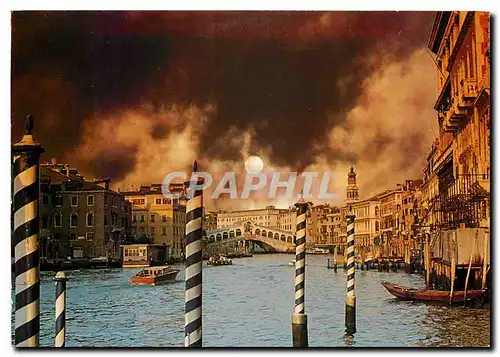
(350, 306)
(427, 260)
(485, 264)
(299, 317)
(453, 266)
(469, 268)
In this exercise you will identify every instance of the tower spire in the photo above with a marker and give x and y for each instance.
(352, 188)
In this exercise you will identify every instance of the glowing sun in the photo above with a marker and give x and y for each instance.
(254, 164)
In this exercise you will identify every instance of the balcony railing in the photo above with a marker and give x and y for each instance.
(462, 201)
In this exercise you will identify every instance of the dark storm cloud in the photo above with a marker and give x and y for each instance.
(289, 76)
(115, 163)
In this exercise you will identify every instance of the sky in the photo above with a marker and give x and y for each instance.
(136, 95)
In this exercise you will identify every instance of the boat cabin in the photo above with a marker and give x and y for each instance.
(144, 255)
(154, 270)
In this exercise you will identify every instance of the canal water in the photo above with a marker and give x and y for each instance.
(249, 304)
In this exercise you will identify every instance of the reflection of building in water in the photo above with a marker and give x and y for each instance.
(455, 327)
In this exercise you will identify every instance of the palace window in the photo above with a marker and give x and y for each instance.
(163, 231)
(90, 236)
(90, 219)
(44, 221)
(73, 221)
(74, 201)
(57, 220)
(152, 218)
(90, 200)
(105, 220)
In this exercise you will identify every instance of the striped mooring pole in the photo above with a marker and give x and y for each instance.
(60, 279)
(26, 178)
(350, 302)
(193, 242)
(299, 318)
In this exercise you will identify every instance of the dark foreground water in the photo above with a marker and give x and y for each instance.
(249, 304)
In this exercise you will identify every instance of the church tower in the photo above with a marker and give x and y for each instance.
(352, 188)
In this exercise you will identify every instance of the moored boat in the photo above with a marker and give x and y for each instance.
(291, 262)
(99, 262)
(155, 276)
(406, 293)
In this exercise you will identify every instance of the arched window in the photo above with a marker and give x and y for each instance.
(73, 221)
(376, 210)
(90, 219)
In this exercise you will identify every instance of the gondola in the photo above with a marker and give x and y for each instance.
(405, 293)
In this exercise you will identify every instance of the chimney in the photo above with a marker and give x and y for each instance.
(67, 169)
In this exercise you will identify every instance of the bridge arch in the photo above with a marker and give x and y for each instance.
(231, 233)
(257, 232)
(219, 237)
(225, 235)
(276, 236)
(238, 232)
(270, 234)
(289, 239)
(264, 232)
(283, 238)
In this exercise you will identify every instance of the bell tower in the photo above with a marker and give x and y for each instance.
(352, 188)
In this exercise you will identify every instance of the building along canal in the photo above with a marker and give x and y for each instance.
(249, 304)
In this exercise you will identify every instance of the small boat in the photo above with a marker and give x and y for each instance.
(73, 264)
(291, 262)
(219, 260)
(99, 262)
(155, 276)
(318, 251)
(405, 293)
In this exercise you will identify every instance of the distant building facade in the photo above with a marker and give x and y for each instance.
(153, 215)
(79, 218)
(267, 217)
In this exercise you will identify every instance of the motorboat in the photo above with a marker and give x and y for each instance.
(155, 276)
(317, 250)
(219, 260)
(99, 262)
(405, 293)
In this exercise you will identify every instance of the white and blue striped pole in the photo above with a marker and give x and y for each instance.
(350, 303)
(299, 318)
(193, 324)
(26, 188)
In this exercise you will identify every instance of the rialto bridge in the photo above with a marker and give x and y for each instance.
(240, 236)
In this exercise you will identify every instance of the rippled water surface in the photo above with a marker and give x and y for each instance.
(249, 304)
